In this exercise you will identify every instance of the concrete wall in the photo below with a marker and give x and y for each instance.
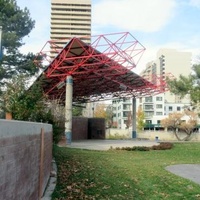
(166, 136)
(150, 135)
(113, 133)
(25, 159)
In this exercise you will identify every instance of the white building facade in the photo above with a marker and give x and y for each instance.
(169, 63)
(122, 110)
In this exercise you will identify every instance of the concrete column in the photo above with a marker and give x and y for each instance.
(134, 118)
(68, 109)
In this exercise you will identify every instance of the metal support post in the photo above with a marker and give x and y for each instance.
(68, 109)
(134, 118)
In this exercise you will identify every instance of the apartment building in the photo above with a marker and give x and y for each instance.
(70, 18)
(169, 63)
(122, 110)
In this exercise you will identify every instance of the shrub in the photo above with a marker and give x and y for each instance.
(134, 148)
(162, 146)
(143, 148)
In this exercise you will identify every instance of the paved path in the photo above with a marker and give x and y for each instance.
(107, 144)
(188, 171)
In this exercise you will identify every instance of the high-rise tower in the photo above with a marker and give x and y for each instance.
(70, 18)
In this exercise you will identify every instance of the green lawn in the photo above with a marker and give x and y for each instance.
(128, 175)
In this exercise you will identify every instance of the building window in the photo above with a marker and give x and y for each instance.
(178, 108)
(158, 121)
(126, 107)
(158, 98)
(126, 100)
(149, 114)
(148, 122)
(170, 108)
(148, 99)
(125, 114)
(159, 113)
(159, 105)
(148, 107)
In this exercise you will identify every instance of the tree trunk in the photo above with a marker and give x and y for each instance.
(187, 138)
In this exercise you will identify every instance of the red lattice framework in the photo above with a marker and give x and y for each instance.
(101, 70)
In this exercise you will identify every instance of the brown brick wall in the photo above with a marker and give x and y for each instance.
(79, 128)
(88, 128)
(96, 128)
(20, 164)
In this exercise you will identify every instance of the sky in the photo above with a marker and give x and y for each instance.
(155, 24)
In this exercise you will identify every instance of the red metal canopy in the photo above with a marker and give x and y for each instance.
(101, 70)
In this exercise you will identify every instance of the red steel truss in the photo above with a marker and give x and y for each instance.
(100, 70)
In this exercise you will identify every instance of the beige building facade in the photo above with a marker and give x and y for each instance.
(173, 63)
(70, 18)
(169, 63)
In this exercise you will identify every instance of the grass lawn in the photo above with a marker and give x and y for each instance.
(128, 175)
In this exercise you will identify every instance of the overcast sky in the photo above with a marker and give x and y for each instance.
(155, 23)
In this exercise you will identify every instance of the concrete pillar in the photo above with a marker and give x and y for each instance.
(134, 118)
(68, 109)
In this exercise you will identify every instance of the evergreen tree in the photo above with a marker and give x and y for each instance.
(77, 111)
(16, 24)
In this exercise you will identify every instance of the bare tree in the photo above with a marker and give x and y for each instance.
(188, 127)
(174, 121)
(129, 120)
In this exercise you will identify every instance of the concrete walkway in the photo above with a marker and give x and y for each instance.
(107, 144)
(188, 171)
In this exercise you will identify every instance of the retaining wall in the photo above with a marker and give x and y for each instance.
(166, 135)
(150, 135)
(25, 159)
